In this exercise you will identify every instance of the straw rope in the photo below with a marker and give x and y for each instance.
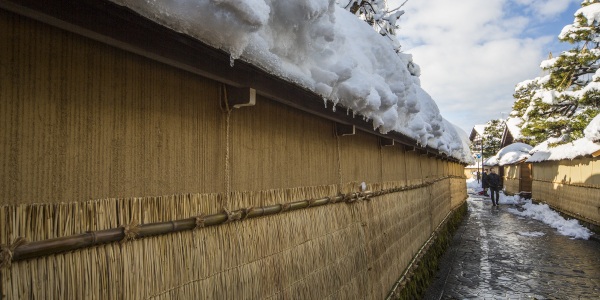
(200, 221)
(227, 159)
(6, 252)
(232, 215)
(339, 163)
(130, 231)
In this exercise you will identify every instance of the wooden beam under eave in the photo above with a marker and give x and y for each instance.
(596, 154)
(236, 97)
(409, 148)
(344, 129)
(385, 142)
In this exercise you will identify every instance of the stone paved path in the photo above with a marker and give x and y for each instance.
(490, 259)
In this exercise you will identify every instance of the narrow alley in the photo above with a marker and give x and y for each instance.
(496, 254)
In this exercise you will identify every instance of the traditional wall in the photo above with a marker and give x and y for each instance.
(572, 186)
(511, 179)
(95, 138)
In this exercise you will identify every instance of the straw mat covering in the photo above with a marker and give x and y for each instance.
(97, 138)
(572, 186)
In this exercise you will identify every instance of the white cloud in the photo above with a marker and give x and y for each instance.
(546, 8)
(473, 52)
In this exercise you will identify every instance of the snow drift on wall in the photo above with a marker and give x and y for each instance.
(322, 47)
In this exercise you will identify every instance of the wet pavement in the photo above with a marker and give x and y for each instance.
(499, 255)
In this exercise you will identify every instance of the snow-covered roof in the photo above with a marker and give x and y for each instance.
(511, 154)
(513, 126)
(479, 128)
(585, 146)
(477, 131)
(319, 46)
(490, 162)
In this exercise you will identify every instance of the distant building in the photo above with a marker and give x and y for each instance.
(476, 138)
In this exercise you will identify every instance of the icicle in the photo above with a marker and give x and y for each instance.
(231, 60)
(325, 102)
(333, 108)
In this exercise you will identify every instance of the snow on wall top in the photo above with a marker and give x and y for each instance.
(577, 148)
(322, 47)
(510, 154)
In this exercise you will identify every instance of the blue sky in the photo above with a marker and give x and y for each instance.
(473, 52)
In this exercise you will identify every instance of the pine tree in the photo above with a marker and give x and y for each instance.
(492, 137)
(377, 14)
(558, 106)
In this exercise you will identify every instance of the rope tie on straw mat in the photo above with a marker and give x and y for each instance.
(200, 219)
(339, 162)
(285, 207)
(7, 251)
(227, 168)
(349, 198)
(232, 215)
(130, 231)
(247, 212)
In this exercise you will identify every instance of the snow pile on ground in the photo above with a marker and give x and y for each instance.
(544, 213)
(531, 234)
(541, 212)
(510, 154)
(581, 147)
(322, 47)
(506, 199)
(473, 187)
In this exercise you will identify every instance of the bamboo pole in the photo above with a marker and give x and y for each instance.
(92, 238)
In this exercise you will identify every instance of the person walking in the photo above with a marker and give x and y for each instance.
(484, 183)
(495, 184)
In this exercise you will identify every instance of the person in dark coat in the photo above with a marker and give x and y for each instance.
(484, 183)
(495, 184)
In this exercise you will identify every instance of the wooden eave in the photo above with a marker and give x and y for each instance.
(507, 137)
(473, 135)
(123, 28)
